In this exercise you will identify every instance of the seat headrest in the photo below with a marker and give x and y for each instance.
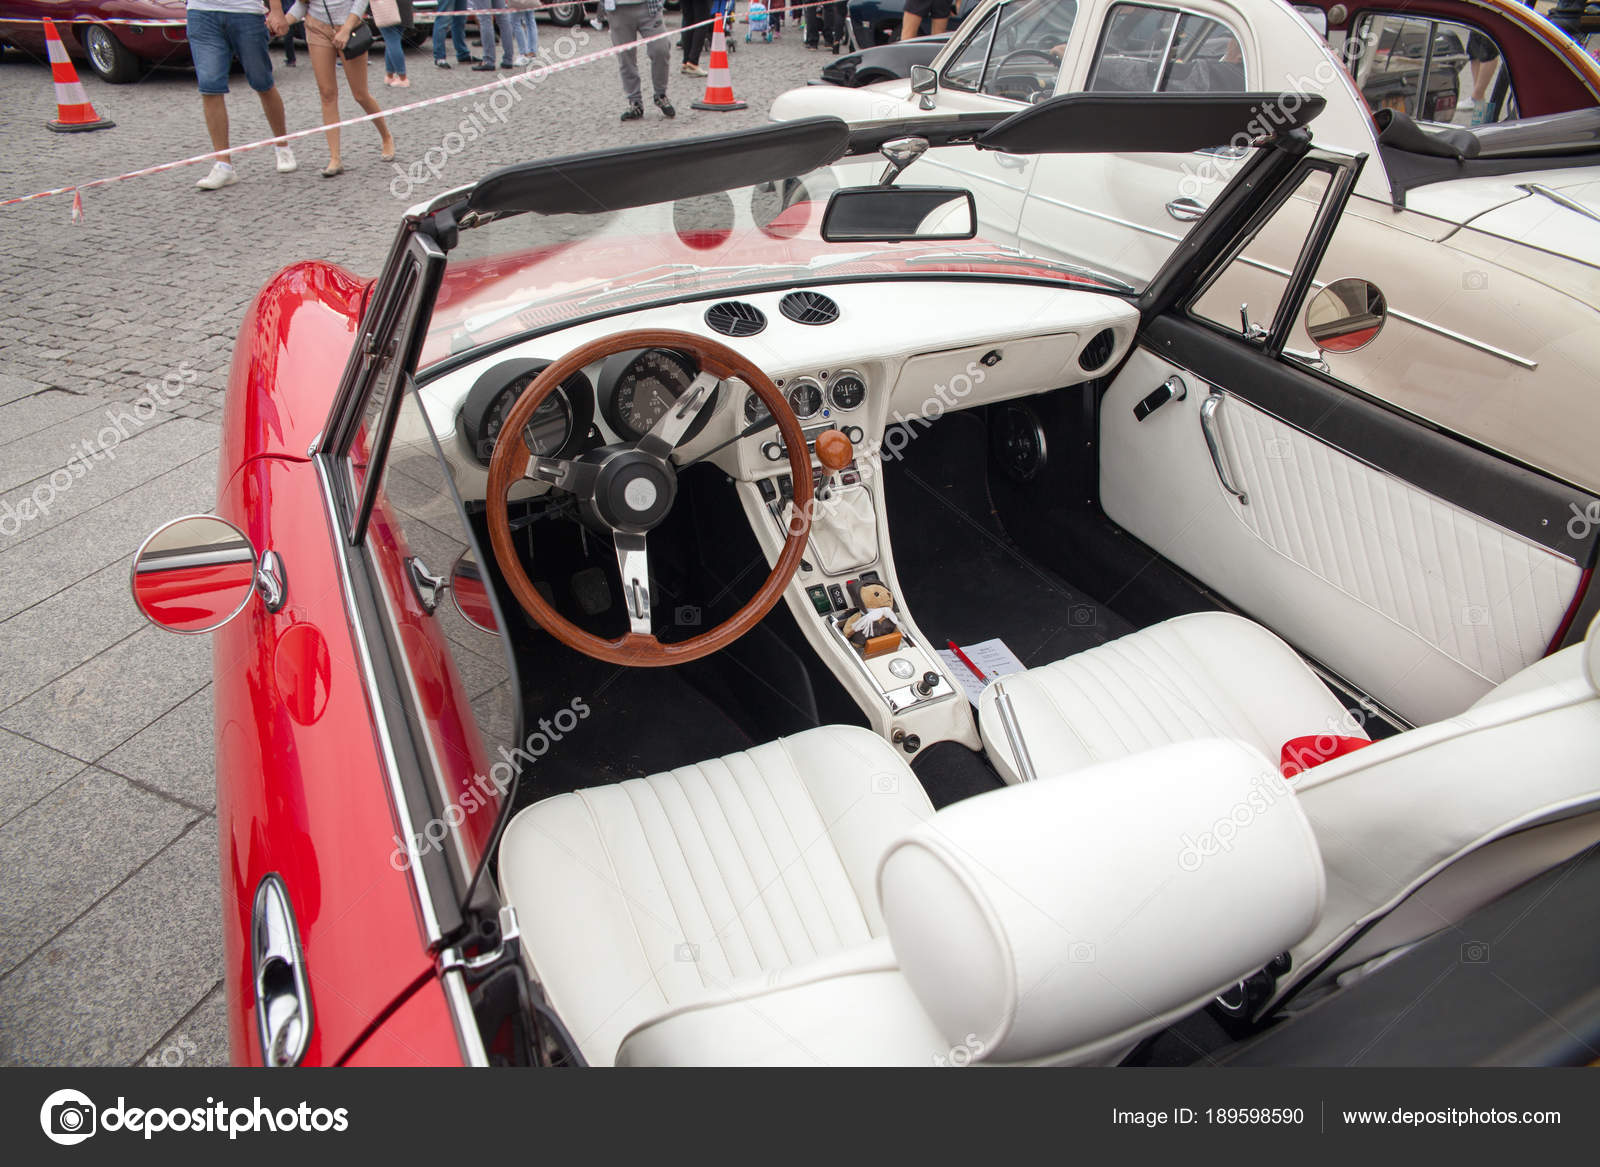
(1068, 918)
(1591, 654)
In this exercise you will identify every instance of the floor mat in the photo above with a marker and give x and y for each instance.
(963, 578)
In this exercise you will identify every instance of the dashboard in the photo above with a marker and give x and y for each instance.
(860, 358)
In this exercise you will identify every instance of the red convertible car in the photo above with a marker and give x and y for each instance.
(697, 606)
(117, 52)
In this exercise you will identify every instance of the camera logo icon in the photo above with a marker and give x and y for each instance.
(686, 616)
(68, 1117)
(1082, 616)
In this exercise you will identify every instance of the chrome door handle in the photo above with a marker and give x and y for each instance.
(1208, 426)
(1186, 210)
(1011, 161)
(283, 996)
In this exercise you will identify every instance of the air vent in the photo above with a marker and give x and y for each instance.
(809, 308)
(1098, 351)
(736, 318)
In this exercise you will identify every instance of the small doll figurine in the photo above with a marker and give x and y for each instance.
(874, 628)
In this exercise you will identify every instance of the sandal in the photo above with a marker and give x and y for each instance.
(332, 170)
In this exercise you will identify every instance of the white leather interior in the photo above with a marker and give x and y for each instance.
(1421, 604)
(1390, 817)
(1211, 674)
(844, 530)
(1064, 920)
(636, 897)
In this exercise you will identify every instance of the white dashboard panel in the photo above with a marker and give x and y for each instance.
(897, 334)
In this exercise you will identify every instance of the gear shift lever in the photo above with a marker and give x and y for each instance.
(835, 451)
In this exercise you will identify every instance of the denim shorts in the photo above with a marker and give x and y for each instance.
(215, 38)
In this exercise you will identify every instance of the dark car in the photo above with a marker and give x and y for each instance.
(117, 52)
(877, 22)
(887, 62)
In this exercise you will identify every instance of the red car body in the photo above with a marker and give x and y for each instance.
(167, 44)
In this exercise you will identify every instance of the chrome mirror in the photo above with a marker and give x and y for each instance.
(194, 574)
(470, 593)
(1347, 315)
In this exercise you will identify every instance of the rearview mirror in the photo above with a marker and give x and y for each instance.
(1347, 315)
(924, 83)
(893, 214)
(194, 574)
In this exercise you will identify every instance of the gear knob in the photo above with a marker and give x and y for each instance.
(834, 450)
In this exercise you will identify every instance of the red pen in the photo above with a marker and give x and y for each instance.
(966, 660)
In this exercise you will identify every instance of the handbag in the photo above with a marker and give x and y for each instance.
(360, 41)
(385, 13)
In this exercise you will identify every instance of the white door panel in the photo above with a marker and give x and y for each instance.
(1423, 605)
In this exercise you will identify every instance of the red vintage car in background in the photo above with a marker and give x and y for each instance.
(117, 52)
(548, 731)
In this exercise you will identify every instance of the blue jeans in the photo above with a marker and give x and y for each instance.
(394, 52)
(457, 29)
(527, 32)
(214, 40)
(486, 27)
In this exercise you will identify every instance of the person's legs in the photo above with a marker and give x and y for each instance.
(941, 16)
(394, 52)
(508, 37)
(694, 40)
(319, 45)
(660, 50)
(486, 22)
(355, 74)
(212, 55)
(625, 29)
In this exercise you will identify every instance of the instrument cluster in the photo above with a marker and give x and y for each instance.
(812, 396)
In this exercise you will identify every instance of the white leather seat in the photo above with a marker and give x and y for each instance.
(729, 913)
(1416, 830)
(1207, 675)
(636, 897)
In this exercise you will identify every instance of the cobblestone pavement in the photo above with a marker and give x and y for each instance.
(110, 938)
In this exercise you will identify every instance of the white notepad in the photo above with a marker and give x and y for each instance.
(993, 659)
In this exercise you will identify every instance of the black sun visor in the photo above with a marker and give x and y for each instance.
(1156, 123)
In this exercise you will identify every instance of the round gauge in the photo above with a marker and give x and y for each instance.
(805, 397)
(646, 385)
(561, 419)
(755, 409)
(847, 390)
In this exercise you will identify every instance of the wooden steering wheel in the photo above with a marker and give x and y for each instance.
(628, 489)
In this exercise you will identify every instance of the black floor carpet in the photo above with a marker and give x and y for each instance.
(963, 577)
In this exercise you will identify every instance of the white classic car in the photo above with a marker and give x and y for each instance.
(1474, 212)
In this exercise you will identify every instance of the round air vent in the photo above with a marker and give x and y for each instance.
(809, 308)
(1098, 351)
(735, 318)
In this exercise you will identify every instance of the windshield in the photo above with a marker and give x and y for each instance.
(527, 271)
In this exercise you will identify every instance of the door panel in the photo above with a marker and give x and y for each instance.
(1422, 570)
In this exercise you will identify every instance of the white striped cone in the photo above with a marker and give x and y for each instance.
(719, 82)
(74, 113)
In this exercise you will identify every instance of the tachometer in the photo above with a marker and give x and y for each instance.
(560, 418)
(643, 386)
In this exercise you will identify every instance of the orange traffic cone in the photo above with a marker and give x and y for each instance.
(74, 114)
(719, 84)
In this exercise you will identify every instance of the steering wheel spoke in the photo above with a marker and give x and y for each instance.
(633, 561)
(574, 477)
(665, 435)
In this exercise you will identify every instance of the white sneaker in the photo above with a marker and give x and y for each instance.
(1466, 105)
(221, 175)
(286, 162)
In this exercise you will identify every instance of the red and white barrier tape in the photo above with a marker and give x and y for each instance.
(85, 18)
(536, 74)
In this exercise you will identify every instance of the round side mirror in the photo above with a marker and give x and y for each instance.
(470, 593)
(194, 574)
(1346, 315)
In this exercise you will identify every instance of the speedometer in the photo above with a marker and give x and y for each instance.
(641, 388)
(561, 418)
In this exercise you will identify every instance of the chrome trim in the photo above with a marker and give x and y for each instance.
(138, 556)
(284, 1025)
(1559, 199)
(1186, 210)
(1008, 721)
(272, 581)
(1208, 426)
(239, 552)
(369, 676)
(467, 1035)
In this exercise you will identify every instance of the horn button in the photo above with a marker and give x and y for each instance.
(634, 491)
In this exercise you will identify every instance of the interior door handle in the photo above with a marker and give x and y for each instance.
(1186, 210)
(1208, 426)
(283, 995)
